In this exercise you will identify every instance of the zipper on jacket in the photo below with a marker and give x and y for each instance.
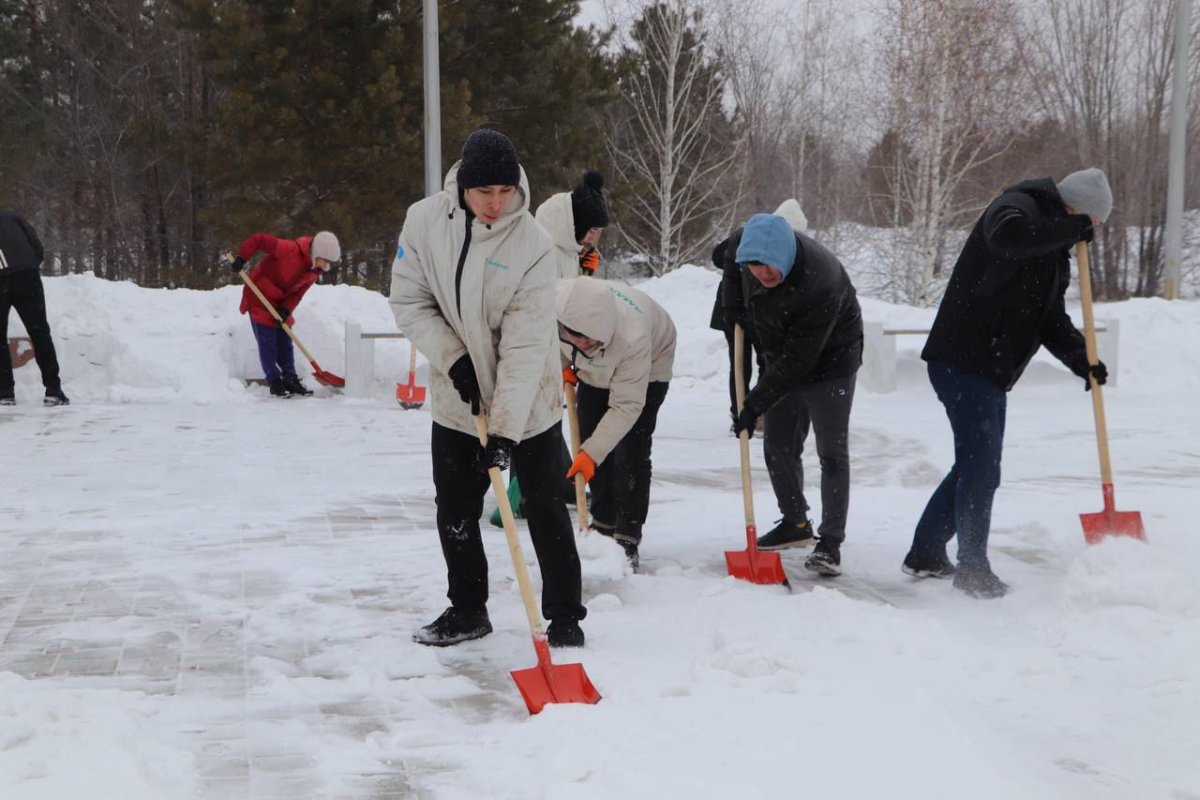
(462, 260)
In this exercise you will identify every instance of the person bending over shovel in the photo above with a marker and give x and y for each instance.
(473, 288)
(618, 347)
(291, 266)
(807, 328)
(1004, 301)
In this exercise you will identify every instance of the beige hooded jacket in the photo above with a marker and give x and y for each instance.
(637, 346)
(460, 287)
(557, 216)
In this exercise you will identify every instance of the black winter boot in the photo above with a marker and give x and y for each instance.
(453, 626)
(787, 534)
(293, 385)
(630, 546)
(937, 567)
(825, 559)
(55, 397)
(279, 388)
(564, 633)
(981, 583)
(7, 397)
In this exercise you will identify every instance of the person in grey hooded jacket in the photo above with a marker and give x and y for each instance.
(618, 347)
(473, 288)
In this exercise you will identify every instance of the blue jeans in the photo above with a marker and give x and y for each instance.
(275, 352)
(962, 504)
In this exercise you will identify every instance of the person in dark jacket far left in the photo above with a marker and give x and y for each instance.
(289, 270)
(21, 288)
(807, 328)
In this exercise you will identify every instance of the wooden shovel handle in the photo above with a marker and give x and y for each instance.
(1089, 340)
(573, 422)
(510, 533)
(739, 380)
(412, 360)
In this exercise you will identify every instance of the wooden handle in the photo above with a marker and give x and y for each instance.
(510, 533)
(739, 380)
(1089, 340)
(412, 360)
(581, 508)
(282, 322)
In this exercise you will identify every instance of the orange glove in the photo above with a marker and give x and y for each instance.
(583, 465)
(570, 377)
(589, 261)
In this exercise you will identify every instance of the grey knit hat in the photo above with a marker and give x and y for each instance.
(1087, 191)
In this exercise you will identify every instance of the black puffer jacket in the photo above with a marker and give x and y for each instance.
(807, 329)
(20, 248)
(1005, 296)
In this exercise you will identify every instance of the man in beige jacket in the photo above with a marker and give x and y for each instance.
(618, 347)
(574, 221)
(473, 288)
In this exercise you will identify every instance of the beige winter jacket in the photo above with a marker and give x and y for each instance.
(462, 287)
(558, 218)
(637, 346)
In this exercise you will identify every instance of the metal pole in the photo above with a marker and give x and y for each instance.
(433, 101)
(1175, 165)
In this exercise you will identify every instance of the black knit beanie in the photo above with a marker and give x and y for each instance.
(587, 204)
(488, 159)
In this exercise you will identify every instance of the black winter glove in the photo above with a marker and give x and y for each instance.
(1086, 231)
(746, 420)
(237, 264)
(462, 374)
(284, 312)
(1099, 372)
(498, 453)
(734, 315)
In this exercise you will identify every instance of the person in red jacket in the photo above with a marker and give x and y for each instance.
(291, 266)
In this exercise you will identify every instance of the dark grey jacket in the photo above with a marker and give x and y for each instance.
(20, 248)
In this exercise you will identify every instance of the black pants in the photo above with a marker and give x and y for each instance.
(747, 351)
(825, 407)
(460, 488)
(23, 291)
(621, 486)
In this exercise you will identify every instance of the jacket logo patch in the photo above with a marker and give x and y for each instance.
(629, 301)
(399, 252)
(494, 264)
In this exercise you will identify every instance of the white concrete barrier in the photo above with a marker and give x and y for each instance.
(360, 358)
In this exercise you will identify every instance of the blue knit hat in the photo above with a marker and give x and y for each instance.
(768, 239)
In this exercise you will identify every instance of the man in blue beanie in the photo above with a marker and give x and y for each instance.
(807, 328)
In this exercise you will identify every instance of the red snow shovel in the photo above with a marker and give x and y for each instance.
(749, 565)
(323, 377)
(547, 682)
(1108, 522)
(409, 395)
(580, 492)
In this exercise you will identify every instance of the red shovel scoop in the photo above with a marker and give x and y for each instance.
(409, 395)
(750, 564)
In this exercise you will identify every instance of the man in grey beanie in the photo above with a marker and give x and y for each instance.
(1003, 302)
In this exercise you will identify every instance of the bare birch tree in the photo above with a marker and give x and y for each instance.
(671, 141)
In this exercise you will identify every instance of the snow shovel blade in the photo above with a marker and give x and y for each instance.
(1111, 522)
(553, 683)
(756, 567)
(409, 395)
(327, 378)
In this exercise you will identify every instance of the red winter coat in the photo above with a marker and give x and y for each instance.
(283, 276)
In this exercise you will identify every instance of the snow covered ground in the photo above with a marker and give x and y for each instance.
(207, 593)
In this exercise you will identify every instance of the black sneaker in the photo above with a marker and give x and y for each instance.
(454, 626)
(825, 559)
(630, 546)
(55, 397)
(292, 384)
(787, 534)
(564, 633)
(981, 583)
(279, 388)
(7, 398)
(927, 567)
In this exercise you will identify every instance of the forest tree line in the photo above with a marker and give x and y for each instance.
(144, 138)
